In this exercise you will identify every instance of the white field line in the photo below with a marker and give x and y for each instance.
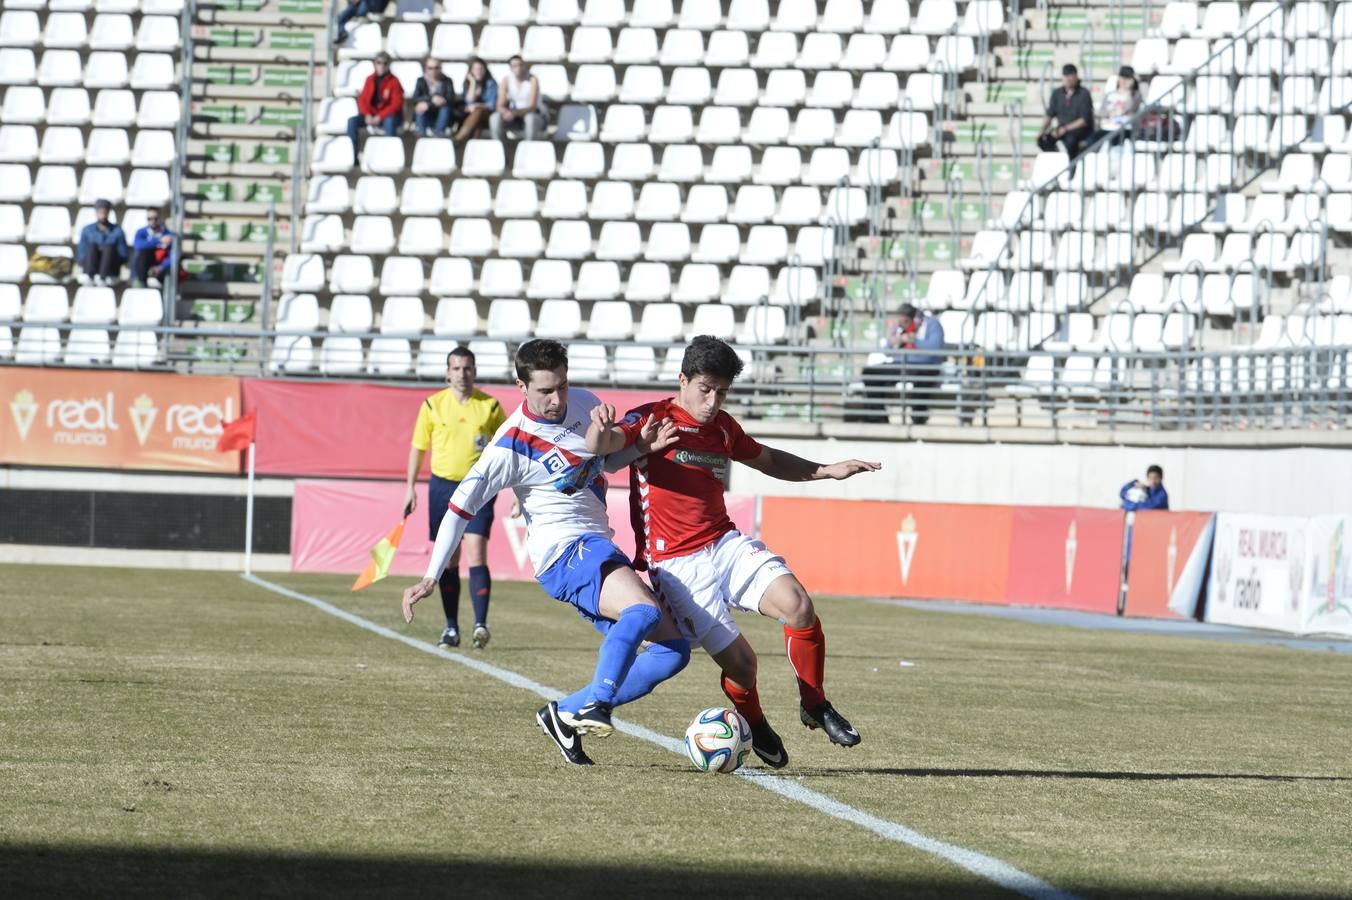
(987, 867)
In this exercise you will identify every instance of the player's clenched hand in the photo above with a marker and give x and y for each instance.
(657, 435)
(416, 593)
(848, 469)
(603, 416)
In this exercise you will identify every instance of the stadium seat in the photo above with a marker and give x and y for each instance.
(747, 285)
(559, 319)
(795, 15)
(597, 280)
(483, 159)
(649, 282)
(401, 275)
(373, 235)
(350, 314)
(642, 84)
(716, 319)
(582, 160)
(737, 87)
(795, 286)
(400, 315)
(520, 238)
(431, 156)
(698, 283)
(569, 240)
(631, 162)
(610, 320)
(550, 279)
(340, 355)
(509, 320)
(660, 323)
(764, 325)
(12, 227)
(389, 356)
(37, 345)
(682, 47)
(564, 200)
(634, 365)
(768, 126)
(587, 362)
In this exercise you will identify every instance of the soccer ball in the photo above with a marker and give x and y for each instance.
(718, 740)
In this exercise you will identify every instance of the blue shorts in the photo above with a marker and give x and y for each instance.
(575, 577)
(439, 493)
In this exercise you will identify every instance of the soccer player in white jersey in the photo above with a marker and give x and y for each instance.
(541, 454)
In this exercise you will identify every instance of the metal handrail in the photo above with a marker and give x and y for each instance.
(1179, 91)
(182, 131)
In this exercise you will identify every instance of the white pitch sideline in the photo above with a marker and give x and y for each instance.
(987, 867)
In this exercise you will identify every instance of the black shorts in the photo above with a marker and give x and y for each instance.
(439, 493)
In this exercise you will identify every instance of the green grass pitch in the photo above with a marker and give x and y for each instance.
(168, 733)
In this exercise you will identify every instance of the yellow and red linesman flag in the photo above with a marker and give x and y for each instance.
(237, 435)
(382, 555)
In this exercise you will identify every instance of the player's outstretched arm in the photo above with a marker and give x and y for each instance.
(786, 467)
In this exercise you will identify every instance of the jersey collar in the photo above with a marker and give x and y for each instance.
(525, 411)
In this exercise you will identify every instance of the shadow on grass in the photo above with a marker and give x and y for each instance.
(1059, 773)
(29, 871)
(38, 871)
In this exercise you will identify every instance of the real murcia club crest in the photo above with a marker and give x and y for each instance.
(142, 412)
(907, 538)
(24, 411)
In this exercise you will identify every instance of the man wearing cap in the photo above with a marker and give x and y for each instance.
(1070, 115)
(379, 105)
(103, 248)
(914, 331)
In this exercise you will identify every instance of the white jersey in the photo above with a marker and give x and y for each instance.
(559, 483)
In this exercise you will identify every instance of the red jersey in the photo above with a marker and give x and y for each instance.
(676, 496)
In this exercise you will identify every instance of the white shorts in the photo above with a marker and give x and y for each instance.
(701, 589)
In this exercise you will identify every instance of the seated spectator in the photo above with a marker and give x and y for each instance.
(914, 331)
(1148, 494)
(1119, 107)
(379, 105)
(357, 8)
(103, 248)
(1070, 115)
(519, 104)
(153, 252)
(480, 97)
(433, 101)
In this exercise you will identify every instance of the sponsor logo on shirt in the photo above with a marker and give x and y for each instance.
(714, 461)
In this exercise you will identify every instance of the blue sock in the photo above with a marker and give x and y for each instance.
(617, 651)
(652, 667)
(450, 595)
(480, 587)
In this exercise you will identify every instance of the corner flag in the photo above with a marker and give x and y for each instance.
(237, 435)
(382, 555)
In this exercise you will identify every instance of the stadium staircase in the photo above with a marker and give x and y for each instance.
(252, 61)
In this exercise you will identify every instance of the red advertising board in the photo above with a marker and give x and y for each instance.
(1066, 557)
(354, 430)
(1168, 559)
(884, 549)
(115, 419)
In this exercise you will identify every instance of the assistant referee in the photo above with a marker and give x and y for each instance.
(456, 424)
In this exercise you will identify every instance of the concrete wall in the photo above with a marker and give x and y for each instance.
(1294, 480)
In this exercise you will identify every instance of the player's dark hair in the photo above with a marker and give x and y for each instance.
(462, 351)
(1155, 470)
(707, 355)
(539, 355)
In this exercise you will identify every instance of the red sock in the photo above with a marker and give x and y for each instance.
(747, 701)
(806, 649)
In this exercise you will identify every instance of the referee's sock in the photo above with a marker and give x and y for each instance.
(480, 588)
(450, 596)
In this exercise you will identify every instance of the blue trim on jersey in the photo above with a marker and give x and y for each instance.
(509, 442)
(575, 577)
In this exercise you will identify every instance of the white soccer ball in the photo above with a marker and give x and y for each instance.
(718, 740)
(1137, 495)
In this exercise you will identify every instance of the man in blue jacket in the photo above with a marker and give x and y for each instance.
(914, 330)
(153, 251)
(1148, 494)
(103, 248)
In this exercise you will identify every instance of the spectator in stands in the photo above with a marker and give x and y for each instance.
(153, 251)
(1119, 107)
(914, 331)
(1148, 494)
(103, 248)
(358, 8)
(1070, 115)
(379, 105)
(480, 97)
(518, 103)
(433, 101)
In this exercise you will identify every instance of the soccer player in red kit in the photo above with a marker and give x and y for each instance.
(700, 565)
